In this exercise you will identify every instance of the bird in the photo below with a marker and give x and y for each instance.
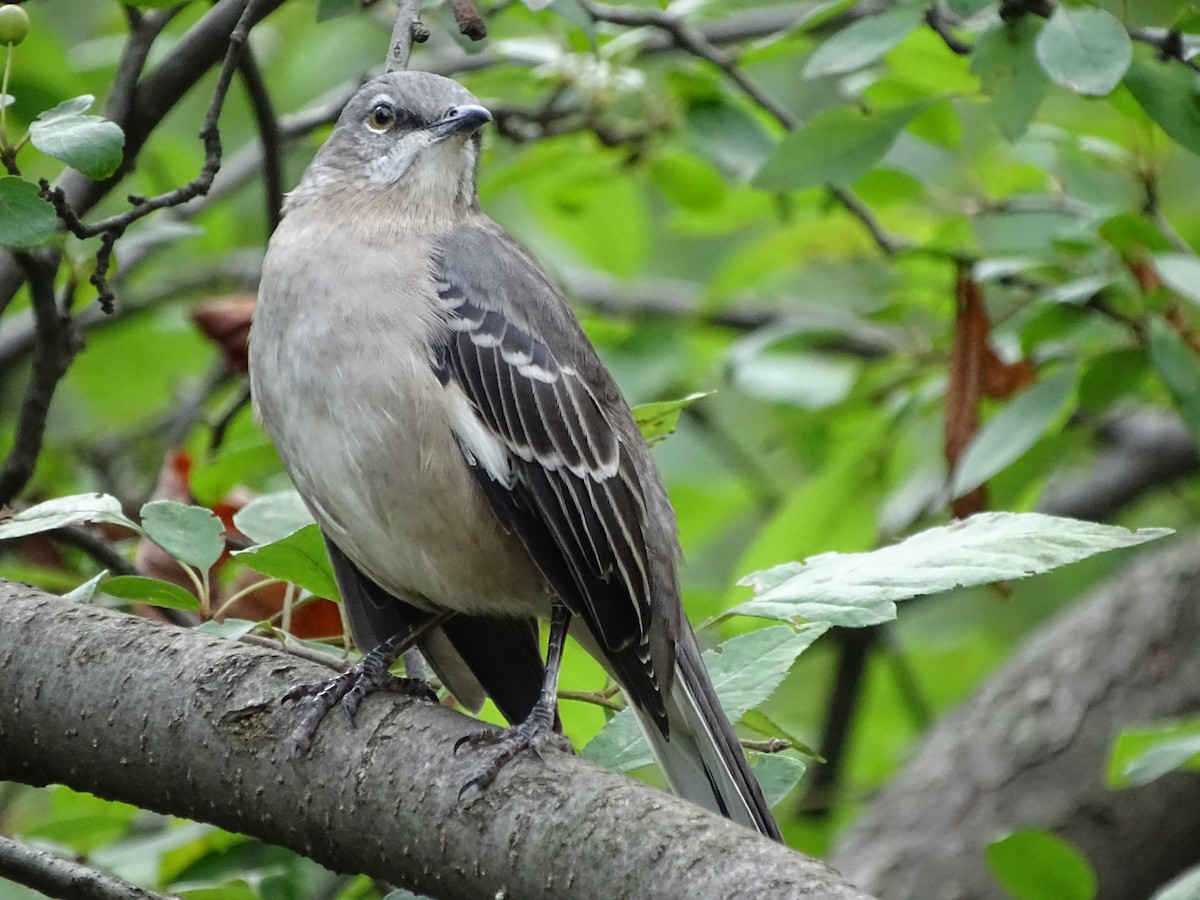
(470, 461)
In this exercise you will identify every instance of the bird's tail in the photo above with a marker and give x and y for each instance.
(702, 757)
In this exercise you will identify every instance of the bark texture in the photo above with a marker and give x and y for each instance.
(1030, 749)
(181, 723)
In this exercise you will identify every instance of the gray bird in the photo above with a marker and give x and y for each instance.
(464, 450)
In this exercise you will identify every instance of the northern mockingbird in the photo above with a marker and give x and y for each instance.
(464, 450)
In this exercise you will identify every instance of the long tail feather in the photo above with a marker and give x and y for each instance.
(702, 757)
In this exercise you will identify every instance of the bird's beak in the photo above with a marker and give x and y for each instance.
(461, 120)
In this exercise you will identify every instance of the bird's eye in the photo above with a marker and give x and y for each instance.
(382, 117)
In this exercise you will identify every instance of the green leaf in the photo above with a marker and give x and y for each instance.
(1004, 61)
(865, 41)
(1086, 49)
(1181, 273)
(836, 147)
(777, 775)
(86, 591)
(745, 672)
(26, 220)
(65, 511)
(861, 588)
(1142, 755)
(966, 8)
(191, 534)
(90, 144)
(332, 9)
(728, 136)
(1036, 865)
(151, 591)
(1182, 887)
(657, 420)
(270, 517)
(1006, 436)
(687, 181)
(1178, 366)
(300, 558)
(1169, 95)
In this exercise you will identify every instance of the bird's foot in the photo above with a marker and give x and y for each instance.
(369, 676)
(536, 733)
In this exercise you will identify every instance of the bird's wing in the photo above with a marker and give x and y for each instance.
(554, 447)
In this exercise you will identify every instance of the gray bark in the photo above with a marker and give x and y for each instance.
(186, 724)
(1030, 749)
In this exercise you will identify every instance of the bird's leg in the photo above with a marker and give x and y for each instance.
(371, 674)
(538, 730)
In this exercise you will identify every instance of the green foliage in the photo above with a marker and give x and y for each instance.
(1036, 865)
(299, 558)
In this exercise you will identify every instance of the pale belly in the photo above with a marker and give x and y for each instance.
(383, 474)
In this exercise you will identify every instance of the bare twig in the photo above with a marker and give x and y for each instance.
(937, 22)
(98, 548)
(111, 228)
(57, 877)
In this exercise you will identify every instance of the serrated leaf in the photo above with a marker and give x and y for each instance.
(1005, 63)
(657, 420)
(1181, 273)
(150, 591)
(862, 588)
(271, 517)
(1178, 365)
(89, 144)
(62, 511)
(1006, 436)
(835, 147)
(777, 775)
(1036, 865)
(86, 591)
(300, 558)
(1086, 50)
(191, 534)
(745, 671)
(1170, 97)
(865, 41)
(26, 220)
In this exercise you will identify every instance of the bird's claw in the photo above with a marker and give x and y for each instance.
(349, 690)
(532, 734)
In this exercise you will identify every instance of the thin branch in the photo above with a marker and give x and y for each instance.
(55, 345)
(267, 123)
(406, 31)
(935, 19)
(57, 877)
(101, 551)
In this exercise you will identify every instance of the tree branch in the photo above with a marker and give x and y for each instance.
(57, 877)
(55, 345)
(198, 719)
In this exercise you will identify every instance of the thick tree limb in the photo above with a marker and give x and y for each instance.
(1030, 750)
(182, 723)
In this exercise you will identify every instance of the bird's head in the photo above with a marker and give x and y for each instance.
(410, 137)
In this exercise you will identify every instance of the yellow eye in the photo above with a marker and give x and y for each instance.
(382, 116)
